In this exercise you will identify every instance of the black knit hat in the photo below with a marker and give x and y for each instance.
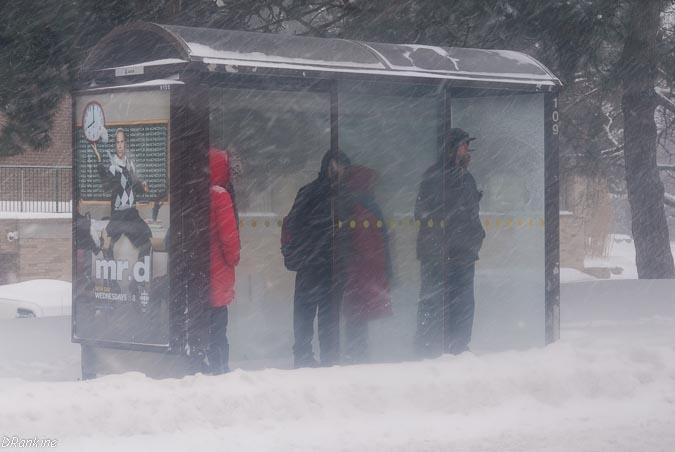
(338, 156)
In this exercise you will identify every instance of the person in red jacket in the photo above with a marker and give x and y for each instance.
(367, 266)
(225, 248)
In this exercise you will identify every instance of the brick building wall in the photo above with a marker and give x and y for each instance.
(42, 250)
(59, 152)
(45, 249)
(9, 253)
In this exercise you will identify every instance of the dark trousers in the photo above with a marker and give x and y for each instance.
(129, 223)
(310, 301)
(446, 308)
(219, 348)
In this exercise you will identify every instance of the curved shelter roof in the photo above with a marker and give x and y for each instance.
(147, 44)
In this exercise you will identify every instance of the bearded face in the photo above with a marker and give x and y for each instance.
(463, 157)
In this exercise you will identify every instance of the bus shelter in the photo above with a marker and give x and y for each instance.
(157, 97)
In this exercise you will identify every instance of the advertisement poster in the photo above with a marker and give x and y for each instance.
(122, 218)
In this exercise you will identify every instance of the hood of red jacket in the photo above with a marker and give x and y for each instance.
(361, 180)
(220, 167)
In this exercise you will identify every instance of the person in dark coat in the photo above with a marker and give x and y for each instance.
(310, 248)
(448, 242)
(225, 253)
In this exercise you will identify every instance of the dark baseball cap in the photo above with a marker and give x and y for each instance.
(458, 136)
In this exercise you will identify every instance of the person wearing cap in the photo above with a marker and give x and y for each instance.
(449, 239)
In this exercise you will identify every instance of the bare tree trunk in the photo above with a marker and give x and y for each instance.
(645, 189)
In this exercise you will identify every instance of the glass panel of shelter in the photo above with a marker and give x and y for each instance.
(394, 137)
(279, 138)
(390, 135)
(508, 166)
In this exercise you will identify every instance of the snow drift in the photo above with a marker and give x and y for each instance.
(608, 385)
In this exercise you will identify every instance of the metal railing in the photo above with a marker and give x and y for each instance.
(44, 189)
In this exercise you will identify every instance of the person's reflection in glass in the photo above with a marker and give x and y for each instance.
(448, 242)
(309, 248)
(366, 263)
(87, 242)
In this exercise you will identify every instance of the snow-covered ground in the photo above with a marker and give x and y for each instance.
(620, 258)
(608, 385)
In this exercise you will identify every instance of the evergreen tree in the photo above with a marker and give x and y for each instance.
(43, 44)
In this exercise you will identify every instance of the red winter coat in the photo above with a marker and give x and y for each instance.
(224, 233)
(366, 292)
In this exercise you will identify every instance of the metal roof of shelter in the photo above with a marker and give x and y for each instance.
(147, 44)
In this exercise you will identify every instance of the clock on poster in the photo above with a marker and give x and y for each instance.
(93, 121)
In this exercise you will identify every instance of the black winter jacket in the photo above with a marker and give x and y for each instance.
(311, 248)
(447, 209)
(309, 244)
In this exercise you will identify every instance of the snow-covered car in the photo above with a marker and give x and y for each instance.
(36, 298)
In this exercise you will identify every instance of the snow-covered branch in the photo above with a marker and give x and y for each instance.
(665, 101)
(669, 200)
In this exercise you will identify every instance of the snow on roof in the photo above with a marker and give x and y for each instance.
(206, 52)
(451, 61)
(289, 52)
(232, 65)
(156, 63)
